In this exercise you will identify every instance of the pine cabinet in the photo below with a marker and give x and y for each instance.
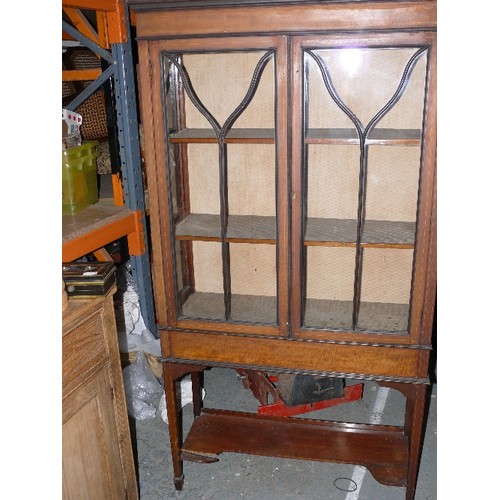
(290, 151)
(97, 459)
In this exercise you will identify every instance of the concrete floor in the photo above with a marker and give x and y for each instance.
(238, 476)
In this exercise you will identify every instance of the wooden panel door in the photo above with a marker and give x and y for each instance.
(92, 466)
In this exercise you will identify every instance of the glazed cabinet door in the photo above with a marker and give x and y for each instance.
(363, 181)
(221, 198)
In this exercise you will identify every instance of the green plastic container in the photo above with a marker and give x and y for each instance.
(79, 178)
(87, 148)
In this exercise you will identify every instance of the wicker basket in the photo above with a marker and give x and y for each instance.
(93, 111)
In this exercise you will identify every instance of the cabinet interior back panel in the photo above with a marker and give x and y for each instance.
(203, 170)
(330, 273)
(392, 183)
(386, 274)
(207, 266)
(332, 181)
(253, 269)
(251, 179)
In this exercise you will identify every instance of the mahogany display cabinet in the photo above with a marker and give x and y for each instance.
(290, 149)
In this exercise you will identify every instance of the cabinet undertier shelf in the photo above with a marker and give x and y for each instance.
(327, 232)
(383, 449)
(333, 314)
(382, 136)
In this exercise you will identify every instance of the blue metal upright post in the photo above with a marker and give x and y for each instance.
(130, 157)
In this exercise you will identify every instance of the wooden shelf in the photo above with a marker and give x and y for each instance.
(382, 449)
(237, 135)
(374, 316)
(319, 232)
(381, 136)
(255, 309)
(241, 228)
(319, 313)
(99, 225)
(342, 232)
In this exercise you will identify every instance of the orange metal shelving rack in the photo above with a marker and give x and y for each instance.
(124, 215)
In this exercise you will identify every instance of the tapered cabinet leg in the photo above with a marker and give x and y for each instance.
(416, 397)
(174, 427)
(414, 423)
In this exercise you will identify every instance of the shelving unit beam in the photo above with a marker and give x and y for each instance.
(130, 156)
